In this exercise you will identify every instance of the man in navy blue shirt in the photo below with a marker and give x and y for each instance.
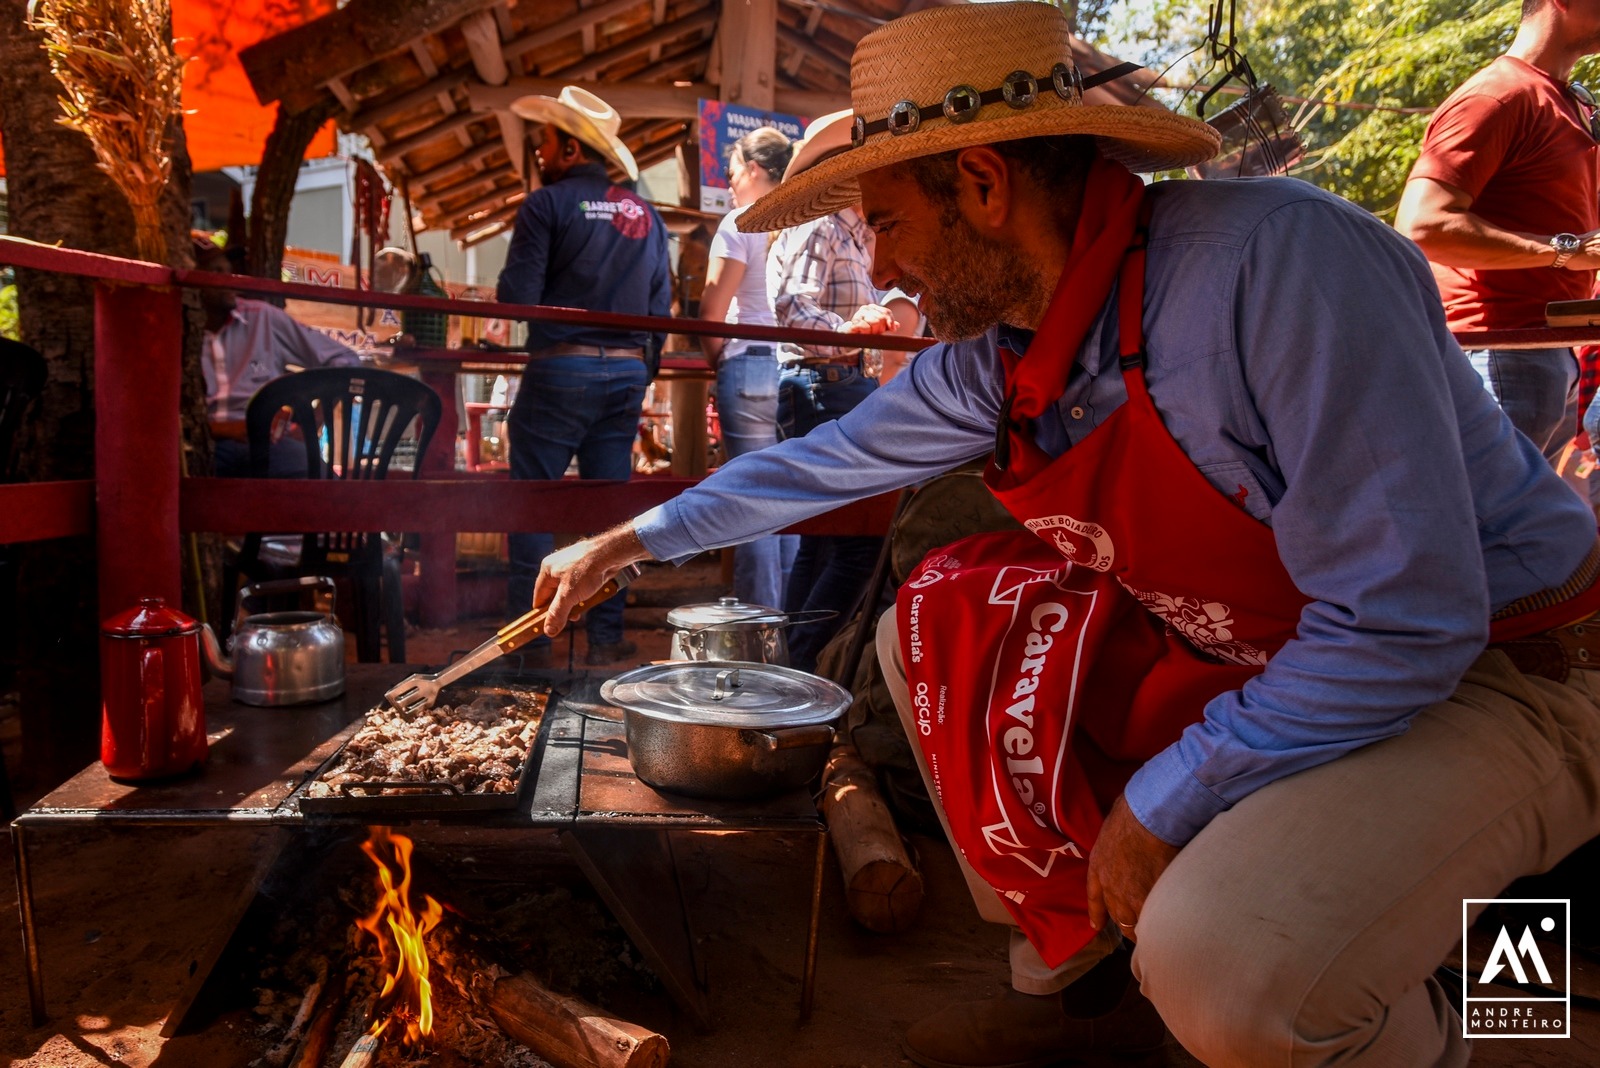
(582, 241)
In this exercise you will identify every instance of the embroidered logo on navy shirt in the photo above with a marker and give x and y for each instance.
(626, 212)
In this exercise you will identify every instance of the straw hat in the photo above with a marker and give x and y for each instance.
(584, 116)
(967, 74)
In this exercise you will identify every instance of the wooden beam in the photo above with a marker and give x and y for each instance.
(694, 55)
(635, 99)
(395, 106)
(344, 41)
(342, 94)
(748, 35)
(462, 229)
(472, 183)
(456, 164)
(590, 66)
(795, 39)
(482, 34)
(484, 235)
(529, 42)
(658, 15)
(433, 133)
(502, 17)
(499, 198)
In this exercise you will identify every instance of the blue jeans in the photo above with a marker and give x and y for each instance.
(747, 408)
(829, 571)
(583, 406)
(810, 396)
(1537, 389)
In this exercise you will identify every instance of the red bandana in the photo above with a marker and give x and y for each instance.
(1036, 380)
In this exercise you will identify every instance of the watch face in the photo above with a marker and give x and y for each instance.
(1565, 242)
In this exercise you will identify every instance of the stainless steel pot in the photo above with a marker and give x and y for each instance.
(729, 629)
(282, 658)
(725, 729)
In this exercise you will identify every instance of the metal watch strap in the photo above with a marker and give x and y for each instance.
(1563, 254)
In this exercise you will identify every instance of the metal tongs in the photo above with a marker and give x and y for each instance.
(421, 691)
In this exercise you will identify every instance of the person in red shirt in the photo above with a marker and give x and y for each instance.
(1503, 201)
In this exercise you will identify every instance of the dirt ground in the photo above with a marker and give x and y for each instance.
(125, 917)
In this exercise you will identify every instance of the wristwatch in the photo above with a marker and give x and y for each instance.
(1565, 245)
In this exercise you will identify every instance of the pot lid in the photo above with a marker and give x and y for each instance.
(727, 693)
(152, 617)
(725, 611)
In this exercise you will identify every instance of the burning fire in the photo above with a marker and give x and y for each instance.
(407, 993)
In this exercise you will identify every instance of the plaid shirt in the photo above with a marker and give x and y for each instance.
(819, 273)
(1588, 386)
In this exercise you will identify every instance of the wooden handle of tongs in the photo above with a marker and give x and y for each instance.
(530, 624)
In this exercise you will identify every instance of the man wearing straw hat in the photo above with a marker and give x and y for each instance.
(1227, 699)
(581, 242)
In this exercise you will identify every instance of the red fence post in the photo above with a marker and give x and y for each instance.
(437, 603)
(138, 341)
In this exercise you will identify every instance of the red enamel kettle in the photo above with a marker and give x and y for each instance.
(152, 715)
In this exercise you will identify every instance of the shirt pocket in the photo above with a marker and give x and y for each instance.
(1235, 481)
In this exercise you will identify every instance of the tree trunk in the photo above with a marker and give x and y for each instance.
(58, 194)
(280, 168)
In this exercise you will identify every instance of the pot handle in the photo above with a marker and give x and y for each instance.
(322, 601)
(789, 737)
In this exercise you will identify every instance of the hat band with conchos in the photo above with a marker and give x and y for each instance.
(1019, 91)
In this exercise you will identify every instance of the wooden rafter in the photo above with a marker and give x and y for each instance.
(647, 100)
(393, 107)
(344, 41)
(434, 199)
(590, 66)
(814, 51)
(438, 131)
(548, 35)
(456, 164)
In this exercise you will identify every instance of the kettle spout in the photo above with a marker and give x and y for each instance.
(217, 663)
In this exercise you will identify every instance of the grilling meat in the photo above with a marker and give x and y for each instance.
(477, 747)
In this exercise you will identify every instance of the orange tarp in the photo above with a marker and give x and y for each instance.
(225, 125)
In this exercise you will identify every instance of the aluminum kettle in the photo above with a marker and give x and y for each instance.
(282, 658)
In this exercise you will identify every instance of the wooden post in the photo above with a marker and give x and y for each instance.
(138, 344)
(748, 38)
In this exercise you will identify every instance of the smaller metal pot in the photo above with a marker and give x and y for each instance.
(282, 658)
(726, 730)
(729, 629)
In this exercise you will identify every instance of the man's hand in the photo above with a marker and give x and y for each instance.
(1123, 868)
(868, 319)
(569, 577)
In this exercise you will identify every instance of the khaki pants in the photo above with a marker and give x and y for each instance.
(1303, 925)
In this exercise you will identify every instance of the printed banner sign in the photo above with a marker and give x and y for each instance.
(720, 126)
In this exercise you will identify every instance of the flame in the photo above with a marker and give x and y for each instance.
(400, 933)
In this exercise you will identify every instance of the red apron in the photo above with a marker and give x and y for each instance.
(1039, 685)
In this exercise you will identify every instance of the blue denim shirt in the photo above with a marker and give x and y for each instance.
(583, 242)
(1297, 349)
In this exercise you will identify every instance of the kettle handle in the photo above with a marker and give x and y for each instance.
(322, 584)
(155, 741)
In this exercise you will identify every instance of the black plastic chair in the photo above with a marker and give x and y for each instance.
(351, 420)
(22, 378)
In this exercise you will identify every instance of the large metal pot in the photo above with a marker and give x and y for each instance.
(282, 658)
(725, 729)
(729, 629)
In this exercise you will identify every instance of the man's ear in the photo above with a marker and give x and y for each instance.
(984, 181)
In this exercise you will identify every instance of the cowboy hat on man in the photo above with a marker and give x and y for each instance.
(1266, 492)
(579, 113)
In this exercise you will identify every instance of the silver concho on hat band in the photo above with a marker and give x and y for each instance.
(961, 104)
(1019, 89)
(1068, 82)
(904, 117)
(858, 132)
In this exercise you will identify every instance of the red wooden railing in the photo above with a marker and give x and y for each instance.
(139, 506)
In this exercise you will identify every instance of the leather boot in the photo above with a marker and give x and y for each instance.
(1030, 1031)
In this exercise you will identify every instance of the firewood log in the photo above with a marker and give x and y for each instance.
(882, 888)
(566, 1031)
(324, 1020)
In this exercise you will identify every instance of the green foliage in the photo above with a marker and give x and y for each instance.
(1405, 56)
(9, 327)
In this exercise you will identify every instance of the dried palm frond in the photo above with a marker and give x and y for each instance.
(123, 85)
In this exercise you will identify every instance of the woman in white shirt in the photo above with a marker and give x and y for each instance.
(747, 371)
